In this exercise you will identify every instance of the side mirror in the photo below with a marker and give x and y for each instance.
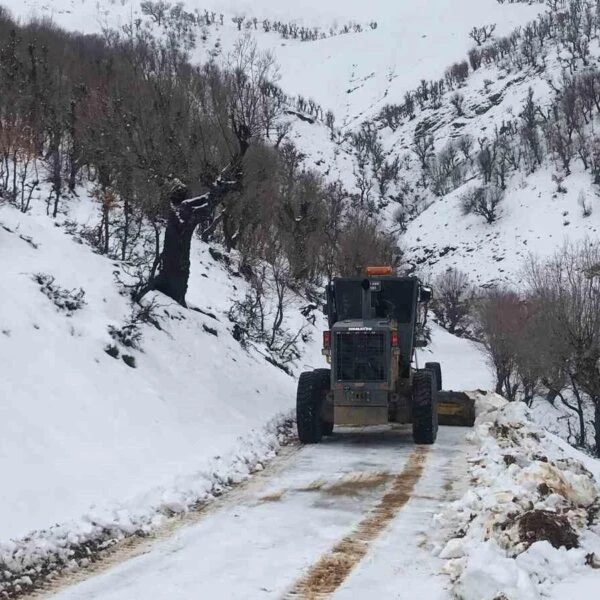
(324, 309)
(425, 295)
(420, 343)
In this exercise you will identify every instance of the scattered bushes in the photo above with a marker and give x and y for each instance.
(549, 337)
(67, 301)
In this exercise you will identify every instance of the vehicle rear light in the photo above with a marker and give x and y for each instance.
(395, 341)
(326, 340)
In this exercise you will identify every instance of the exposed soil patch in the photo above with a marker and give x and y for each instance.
(543, 525)
(356, 483)
(275, 497)
(324, 577)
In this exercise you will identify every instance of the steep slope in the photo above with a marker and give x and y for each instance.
(533, 218)
(351, 74)
(85, 434)
(90, 428)
(356, 74)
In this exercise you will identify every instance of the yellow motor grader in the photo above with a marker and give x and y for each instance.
(375, 324)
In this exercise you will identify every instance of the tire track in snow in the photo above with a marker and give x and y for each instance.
(330, 571)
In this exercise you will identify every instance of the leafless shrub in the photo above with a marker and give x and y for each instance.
(65, 300)
(482, 201)
(480, 35)
(452, 300)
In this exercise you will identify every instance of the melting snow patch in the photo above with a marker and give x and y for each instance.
(530, 517)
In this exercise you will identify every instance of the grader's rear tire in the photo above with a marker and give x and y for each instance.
(437, 369)
(425, 418)
(309, 401)
(327, 428)
(324, 383)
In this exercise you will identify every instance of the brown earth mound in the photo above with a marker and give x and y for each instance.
(543, 525)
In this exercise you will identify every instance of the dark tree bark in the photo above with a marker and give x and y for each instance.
(597, 425)
(185, 215)
(174, 269)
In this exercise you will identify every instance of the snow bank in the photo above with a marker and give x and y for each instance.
(530, 518)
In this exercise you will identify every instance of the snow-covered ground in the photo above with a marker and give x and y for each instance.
(92, 449)
(339, 501)
(529, 519)
(351, 74)
(356, 74)
(366, 512)
(82, 433)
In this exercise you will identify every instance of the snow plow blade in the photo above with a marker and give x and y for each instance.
(456, 408)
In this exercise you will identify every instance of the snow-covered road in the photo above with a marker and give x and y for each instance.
(344, 519)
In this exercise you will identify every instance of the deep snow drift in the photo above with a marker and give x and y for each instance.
(529, 519)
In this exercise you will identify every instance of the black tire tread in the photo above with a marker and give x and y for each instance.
(324, 383)
(437, 369)
(308, 408)
(425, 422)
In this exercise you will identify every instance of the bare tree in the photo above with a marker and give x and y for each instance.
(499, 319)
(568, 287)
(452, 301)
(480, 35)
(483, 201)
(458, 101)
(362, 242)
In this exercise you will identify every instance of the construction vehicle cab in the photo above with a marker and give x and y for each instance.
(375, 324)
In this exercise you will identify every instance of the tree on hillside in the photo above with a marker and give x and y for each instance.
(568, 289)
(500, 321)
(452, 301)
(236, 107)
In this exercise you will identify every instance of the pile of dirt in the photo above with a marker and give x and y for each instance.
(544, 525)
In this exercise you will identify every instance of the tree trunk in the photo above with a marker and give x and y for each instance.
(597, 425)
(580, 412)
(126, 226)
(184, 216)
(174, 273)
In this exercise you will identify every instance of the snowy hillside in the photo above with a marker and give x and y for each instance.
(357, 74)
(121, 419)
(93, 448)
(83, 433)
(165, 420)
(351, 74)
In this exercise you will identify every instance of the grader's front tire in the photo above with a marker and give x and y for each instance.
(309, 400)
(425, 417)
